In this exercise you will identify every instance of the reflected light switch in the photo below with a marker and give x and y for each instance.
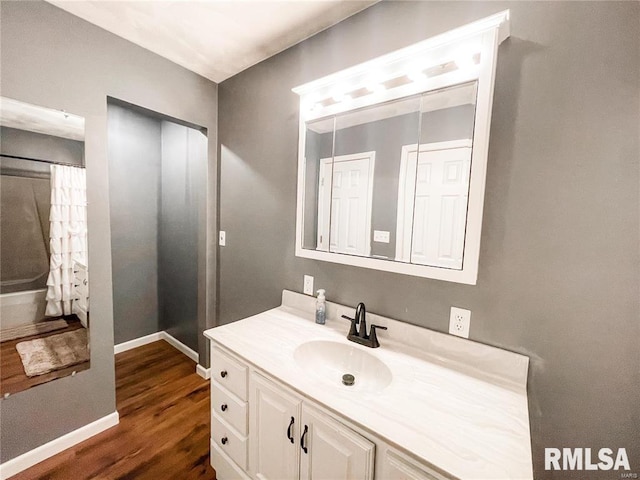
(380, 236)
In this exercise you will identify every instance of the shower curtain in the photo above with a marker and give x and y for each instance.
(67, 235)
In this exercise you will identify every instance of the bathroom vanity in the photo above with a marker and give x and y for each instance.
(424, 405)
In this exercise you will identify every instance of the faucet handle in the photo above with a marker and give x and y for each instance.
(354, 321)
(373, 338)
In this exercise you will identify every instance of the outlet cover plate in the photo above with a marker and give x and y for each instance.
(381, 236)
(308, 285)
(222, 240)
(459, 322)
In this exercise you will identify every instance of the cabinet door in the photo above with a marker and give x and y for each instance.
(398, 467)
(274, 431)
(333, 451)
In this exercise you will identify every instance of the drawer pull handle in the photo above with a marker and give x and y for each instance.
(224, 440)
(84, 281)
(223, 373)
(303, 444)
(223, 407)
(290, 430)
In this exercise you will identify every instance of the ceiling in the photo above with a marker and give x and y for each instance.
(214, 38)
(24, 116)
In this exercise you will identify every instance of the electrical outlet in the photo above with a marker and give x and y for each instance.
(460, 322)
(308, 285)
(222, 240)
(381, 236)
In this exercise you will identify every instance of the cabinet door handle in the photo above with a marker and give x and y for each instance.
(223, 407)
(290, 430)
(224, 440)
(223, 373)
(303, 444)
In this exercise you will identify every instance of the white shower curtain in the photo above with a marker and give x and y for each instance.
(67, 236)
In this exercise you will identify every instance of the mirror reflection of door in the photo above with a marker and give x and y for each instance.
(433, 197)
(345, 200)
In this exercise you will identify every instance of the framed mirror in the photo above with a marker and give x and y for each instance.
(393, 155)
(44, 270)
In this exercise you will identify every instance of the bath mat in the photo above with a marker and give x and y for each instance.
(44, 355)
(22, 331)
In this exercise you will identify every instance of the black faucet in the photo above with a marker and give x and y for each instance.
(361, 336)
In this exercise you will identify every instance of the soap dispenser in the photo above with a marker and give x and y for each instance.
(321, 308)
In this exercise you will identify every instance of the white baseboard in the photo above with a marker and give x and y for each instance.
(41, 453)
(137, 342)
(203, 372)
(178, 345)
(154, 337)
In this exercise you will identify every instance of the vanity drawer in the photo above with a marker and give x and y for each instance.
(229, 372)
(229, 441)
(228, 407)
(79, 271)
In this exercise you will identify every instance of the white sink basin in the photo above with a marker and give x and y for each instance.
(328, 361)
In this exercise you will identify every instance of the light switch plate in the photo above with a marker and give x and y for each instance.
(460, 322)
(380, 236)
(223, 238)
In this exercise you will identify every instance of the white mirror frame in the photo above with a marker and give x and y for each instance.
(482, 37)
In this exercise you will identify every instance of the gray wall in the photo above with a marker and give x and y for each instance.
(134, 151)
(559, 271)
(317, 146)
(183, 154)
(56, 60)
(22, 143)
(25, 202)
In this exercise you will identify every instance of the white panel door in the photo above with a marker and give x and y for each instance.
(344, 216)
(333, 451)
(273, 431)
(439, 195)
(349, 204)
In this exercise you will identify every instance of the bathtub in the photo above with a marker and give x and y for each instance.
(21, 308)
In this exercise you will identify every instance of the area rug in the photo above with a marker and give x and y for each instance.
(22, 331)
(44, 355)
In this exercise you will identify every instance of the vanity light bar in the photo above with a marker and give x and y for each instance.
(417, 75)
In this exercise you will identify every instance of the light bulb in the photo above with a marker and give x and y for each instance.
(376, 87)
(341, 97)
(417, 76)
(465, 59)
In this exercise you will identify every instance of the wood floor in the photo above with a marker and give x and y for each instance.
(12, 376)
(163, 431)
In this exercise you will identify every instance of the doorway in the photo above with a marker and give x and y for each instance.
(156, 167)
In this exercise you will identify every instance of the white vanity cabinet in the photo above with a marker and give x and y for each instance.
(332, 450)
(396, 466)
(291, 439)
(81, 297)
(229, 414)
(279, 376)
(261, 429)
(275, 433)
